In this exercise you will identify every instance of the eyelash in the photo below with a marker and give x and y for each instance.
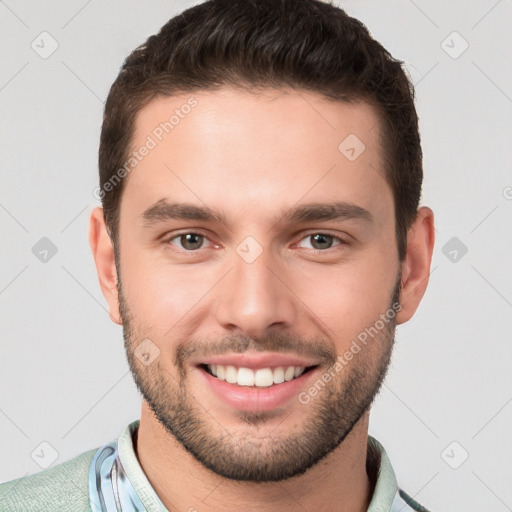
(341, 241)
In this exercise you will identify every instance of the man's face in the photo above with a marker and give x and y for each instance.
(261, 290)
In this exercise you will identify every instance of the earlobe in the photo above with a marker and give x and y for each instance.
(416, 266)
(103, 253)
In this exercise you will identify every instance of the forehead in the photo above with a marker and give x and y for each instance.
(241, 150)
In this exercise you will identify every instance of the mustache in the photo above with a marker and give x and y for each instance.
(275, 342)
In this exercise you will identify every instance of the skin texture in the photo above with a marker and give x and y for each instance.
(252, 157)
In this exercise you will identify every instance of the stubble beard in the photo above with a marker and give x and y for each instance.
(244, 453)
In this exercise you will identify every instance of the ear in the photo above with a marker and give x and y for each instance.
(416, 265)
(103, 252)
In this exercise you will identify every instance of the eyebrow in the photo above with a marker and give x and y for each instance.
(164, 210)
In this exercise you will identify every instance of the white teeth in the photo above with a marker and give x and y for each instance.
(231, 374)
(245, 377)
(263, 377)
(289, 373)
(278, 375)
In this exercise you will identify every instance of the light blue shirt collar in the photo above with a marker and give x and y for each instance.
(118, 483)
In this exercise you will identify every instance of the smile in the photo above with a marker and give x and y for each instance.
(260, 377)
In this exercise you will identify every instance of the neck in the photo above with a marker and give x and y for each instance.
(337, 483)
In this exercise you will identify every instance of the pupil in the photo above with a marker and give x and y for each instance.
(189, 239)
(320, 238)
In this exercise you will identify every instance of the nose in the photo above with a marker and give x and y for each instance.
(255, 298)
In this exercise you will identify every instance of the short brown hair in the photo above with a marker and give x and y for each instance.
(303, 44)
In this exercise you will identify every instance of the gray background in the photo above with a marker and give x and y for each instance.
(64, 379)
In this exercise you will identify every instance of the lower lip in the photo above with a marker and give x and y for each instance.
(255, 399)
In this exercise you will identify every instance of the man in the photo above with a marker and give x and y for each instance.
(259, 239)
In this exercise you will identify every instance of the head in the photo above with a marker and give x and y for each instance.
(260, 176)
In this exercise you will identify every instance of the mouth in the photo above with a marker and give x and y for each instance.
(264, 377)
(255, 381)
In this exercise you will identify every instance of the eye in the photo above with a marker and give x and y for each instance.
(323, 241)
(189, 242)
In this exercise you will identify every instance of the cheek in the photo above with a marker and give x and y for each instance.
(160, 294)
(347, 298)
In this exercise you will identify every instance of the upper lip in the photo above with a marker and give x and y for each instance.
(255, 360)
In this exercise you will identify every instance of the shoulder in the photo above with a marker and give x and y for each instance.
(63, 487)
